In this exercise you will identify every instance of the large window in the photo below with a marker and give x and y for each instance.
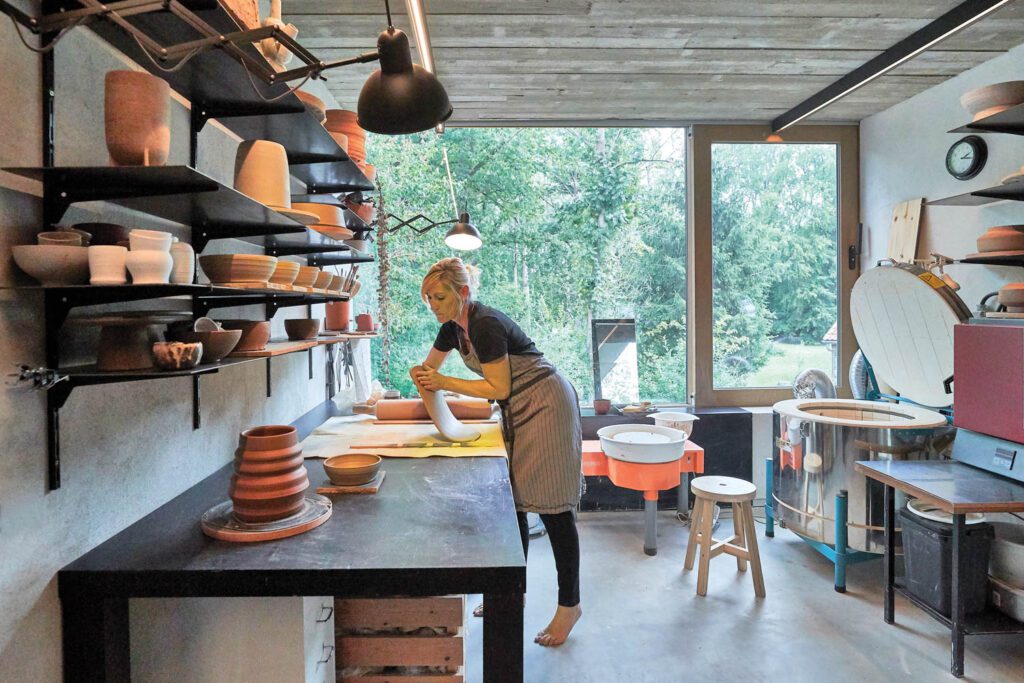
(580, 227)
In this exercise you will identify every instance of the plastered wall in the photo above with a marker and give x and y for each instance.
(127, 448)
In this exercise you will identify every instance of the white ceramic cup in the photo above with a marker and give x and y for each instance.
(107, 265)
(261, 172)
(149, 266)
(184, 257)
(149, 240)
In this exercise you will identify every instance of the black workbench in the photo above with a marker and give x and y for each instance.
(438, 526)
(958, 489)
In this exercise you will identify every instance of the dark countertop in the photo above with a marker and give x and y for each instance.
(437, 526)
(950, 485)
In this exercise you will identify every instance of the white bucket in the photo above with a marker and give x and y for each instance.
(681, 421)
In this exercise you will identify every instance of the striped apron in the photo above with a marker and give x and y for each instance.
(540, 424)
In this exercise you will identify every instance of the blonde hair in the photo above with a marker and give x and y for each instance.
(453, 274)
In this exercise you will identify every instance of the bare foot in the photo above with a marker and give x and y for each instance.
(561, 624)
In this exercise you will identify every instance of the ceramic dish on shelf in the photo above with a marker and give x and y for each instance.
(227, 269)
(334, 232)
(992, 99)
(327, 214)
(53, 264)
(314, 105)
(304, 217)
(1001, 238)
(1013, 177)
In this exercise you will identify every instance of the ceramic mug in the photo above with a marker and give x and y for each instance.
(107, 265)
(149, 266)
(602, 406)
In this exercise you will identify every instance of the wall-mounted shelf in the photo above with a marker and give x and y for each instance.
(352, 221)
(1013, 191)
(180, 194)
(1009, 121)
(987, 260)
(356, 257)
(220, 88)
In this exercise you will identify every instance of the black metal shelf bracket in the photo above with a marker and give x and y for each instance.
(197, 418)
(56, 397)
(270, 387)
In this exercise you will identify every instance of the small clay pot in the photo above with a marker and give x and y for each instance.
(352, 469)
(364, 322)
(602, 406)
(270, 479)
(137, 115)
(302, 328)
(255, 333)
(176, 355)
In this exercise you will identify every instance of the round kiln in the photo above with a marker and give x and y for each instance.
(903, 317)
(817, 442)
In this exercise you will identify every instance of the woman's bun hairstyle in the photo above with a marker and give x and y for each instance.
(454, 274)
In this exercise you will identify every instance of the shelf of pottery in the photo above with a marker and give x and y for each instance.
(88, 264)
(997, 108)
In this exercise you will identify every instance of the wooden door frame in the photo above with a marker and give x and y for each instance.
(699, 314)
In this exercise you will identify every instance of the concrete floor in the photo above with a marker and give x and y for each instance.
(643, 621)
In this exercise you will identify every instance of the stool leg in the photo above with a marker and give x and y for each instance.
(755, 557)
(738, 531)
(691, 544)
(769, 513)
(707, 521)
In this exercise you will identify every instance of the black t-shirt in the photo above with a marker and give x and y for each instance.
(492, 334)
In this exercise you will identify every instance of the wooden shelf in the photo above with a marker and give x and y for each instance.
(1009, 121)
(85, 375)
(276, 348)
(220, 88)
(1013, 191)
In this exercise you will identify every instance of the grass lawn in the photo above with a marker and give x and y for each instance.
(787, 361)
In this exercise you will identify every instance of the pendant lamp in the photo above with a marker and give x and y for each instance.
(401, 97)
(463, 236)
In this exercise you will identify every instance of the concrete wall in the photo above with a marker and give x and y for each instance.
(903, 151)
(127, 448)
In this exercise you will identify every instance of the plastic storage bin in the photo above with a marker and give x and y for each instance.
(928, 556)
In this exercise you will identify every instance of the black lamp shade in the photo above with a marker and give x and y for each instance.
(464, 236)
(401, 97)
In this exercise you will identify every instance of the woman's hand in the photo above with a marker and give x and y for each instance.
(428, 378)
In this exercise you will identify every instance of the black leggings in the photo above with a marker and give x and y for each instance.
(565, 543)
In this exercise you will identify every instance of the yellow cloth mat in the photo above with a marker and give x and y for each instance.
(344, 434)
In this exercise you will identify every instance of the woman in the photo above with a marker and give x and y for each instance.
(540, 419)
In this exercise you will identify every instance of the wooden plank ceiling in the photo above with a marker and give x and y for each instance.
(565, 61)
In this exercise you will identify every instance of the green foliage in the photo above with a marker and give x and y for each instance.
(591, 223)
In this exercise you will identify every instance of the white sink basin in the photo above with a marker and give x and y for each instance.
(642, 443)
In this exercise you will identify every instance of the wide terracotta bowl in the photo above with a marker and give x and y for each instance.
(300, 329)
(323, 278)
(1002, 238)
(238, 268)
(352, 469)
(216, 344)
(992, 99)
(1012, 296)
(53, 264)
(327, 214)
(314, 105)
(307, 276)
(255, 333)
(285, 273)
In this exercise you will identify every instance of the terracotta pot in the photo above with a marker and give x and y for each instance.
(300, 329)
(261, 172)
(364, 322)
(270, 480)
(137, 115)
(602, 406)
(338, 315)
(255, 333)
(1012, 296)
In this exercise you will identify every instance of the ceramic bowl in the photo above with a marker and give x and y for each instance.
(231, 268)
(322, 279)
(285, 273)
(682, 422)
(215, 345)
(992, 99)
(1012, 296)
(307, 276)
(62, 237)
(327, 214)
(150, 240)
(103, 233)
(53, 264)
(255, 333)
(299, 329)
(352, 469)
(336, 282)
(1002, 238)
(176, 355)
(314, 105)
(341, 139)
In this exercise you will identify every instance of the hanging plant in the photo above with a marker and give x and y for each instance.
(383, 287)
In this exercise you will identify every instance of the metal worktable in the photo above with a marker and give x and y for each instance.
(958, 489)
(438, 526)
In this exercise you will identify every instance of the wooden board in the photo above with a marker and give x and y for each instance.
(369, 487)
(446, 651)
(903, 229)
(427, 422)
(384, 613)
(278, 348)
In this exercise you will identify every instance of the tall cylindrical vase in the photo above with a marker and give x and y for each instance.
(338, 315)
(270, 480)
(137, 118)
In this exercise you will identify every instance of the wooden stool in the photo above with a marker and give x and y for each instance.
(742, 545)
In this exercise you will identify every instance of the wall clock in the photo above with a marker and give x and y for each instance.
(966, 157)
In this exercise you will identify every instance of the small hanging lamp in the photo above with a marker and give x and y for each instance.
(400, 97)
(463, 236)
